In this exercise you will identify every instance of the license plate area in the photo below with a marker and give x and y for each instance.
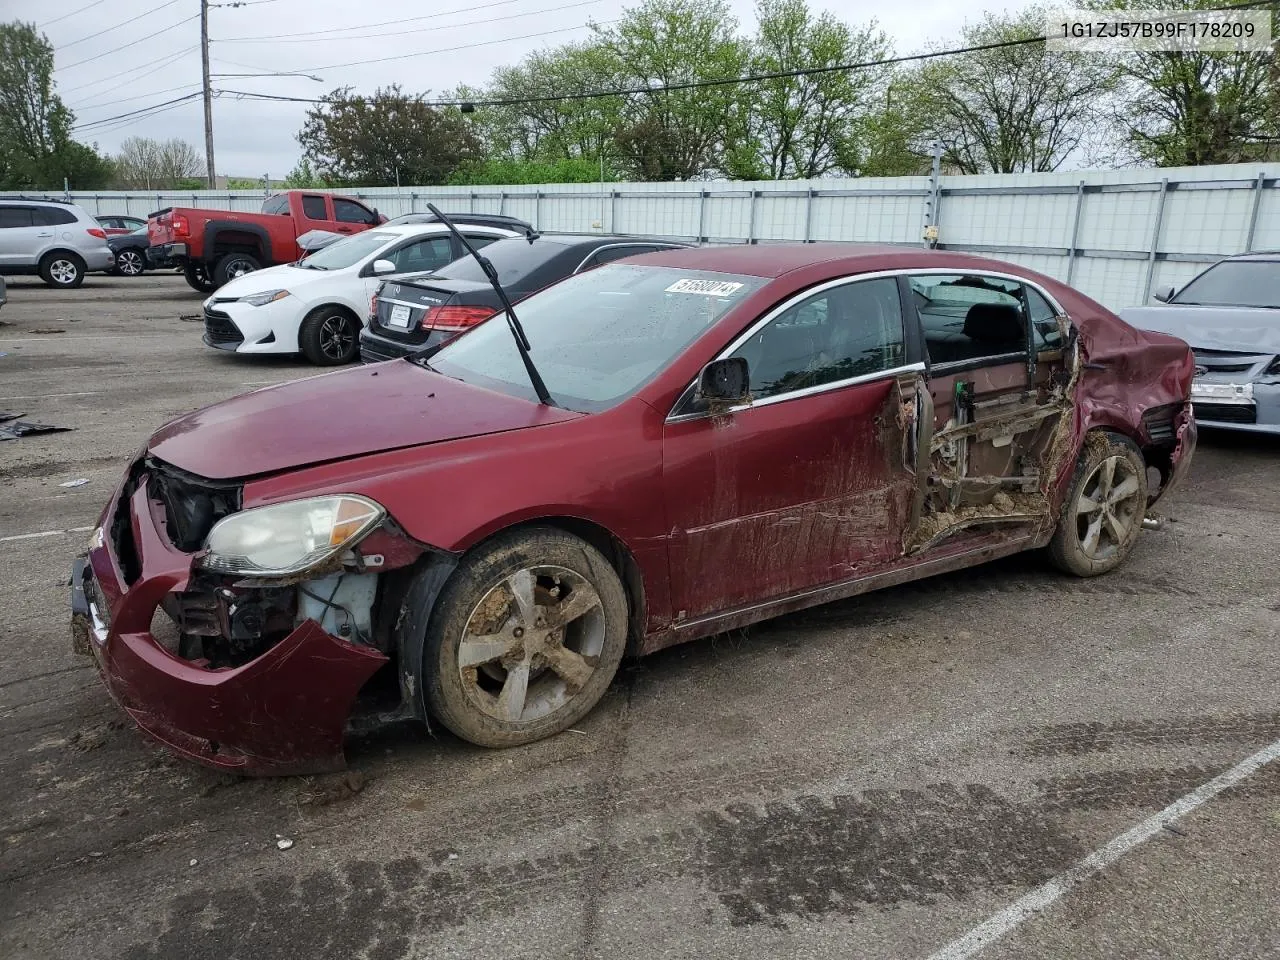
(1240, 394)
(400, 314)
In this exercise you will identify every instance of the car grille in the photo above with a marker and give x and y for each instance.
(1226, 412)
(1225, 361)
(219, 328)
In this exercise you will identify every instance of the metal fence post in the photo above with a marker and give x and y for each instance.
(751, 220)
(934, 197)
(1155, 240)
(471, 202)
(502, 201)
(1075, 233)
(537, 209)
(1253, 213)
(613, 211)
(808, 213)
(702, 216)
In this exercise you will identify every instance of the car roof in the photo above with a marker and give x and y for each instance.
(407, 229)
(1267, 256)
(599, 240)
(774, 260)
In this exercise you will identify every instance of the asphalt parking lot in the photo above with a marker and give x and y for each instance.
(873, 778)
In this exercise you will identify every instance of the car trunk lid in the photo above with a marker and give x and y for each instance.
(409, 312)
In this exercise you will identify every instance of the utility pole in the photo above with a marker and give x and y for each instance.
(208, 94)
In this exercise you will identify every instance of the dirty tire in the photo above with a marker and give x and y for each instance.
(516, 686)
(197, 276)
(1102, 512)
(62, 269)
(329, 336)
(234, 265)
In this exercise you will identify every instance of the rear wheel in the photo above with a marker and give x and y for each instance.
(1103, 510)
(234, 265)
(329, 336)
(62, 269)
(198, 278)
(525, 638)
(131, 262)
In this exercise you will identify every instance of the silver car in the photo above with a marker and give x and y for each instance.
(1230, 316)
(59, 241)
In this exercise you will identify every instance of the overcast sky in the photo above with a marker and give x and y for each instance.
(103, 70)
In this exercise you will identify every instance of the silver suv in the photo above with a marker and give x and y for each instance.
(57, 240)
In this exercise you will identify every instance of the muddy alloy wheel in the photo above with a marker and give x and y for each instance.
(525, 638)
(130, 262)
(1103, 511)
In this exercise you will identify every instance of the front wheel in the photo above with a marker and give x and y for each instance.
(329, 336)
(1103, 510)
(131, 262)
(525, 638)
(197, 276)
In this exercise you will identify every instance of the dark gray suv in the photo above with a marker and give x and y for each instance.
(59, 241)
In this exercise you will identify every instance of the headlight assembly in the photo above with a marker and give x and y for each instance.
(289, 538)
(262, 299)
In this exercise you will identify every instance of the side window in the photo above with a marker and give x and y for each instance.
(970, 316)
(313, 207)
(846, 331)
(15, 217)
(52, 216)
(280, 204)
(1044, 324)
(112, 223)
(478, 240)
(423, 256)
(347, 211)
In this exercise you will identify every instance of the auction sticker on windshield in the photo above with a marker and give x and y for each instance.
(710, 288)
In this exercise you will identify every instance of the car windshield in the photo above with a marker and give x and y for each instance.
(599, 336)
(348, 251)
(1234, 283)
(513, 258)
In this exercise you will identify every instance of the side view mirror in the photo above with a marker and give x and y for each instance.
(383, 266)
(727, 380)
(1164, 294)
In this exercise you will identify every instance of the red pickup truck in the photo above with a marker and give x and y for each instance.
(214, 246)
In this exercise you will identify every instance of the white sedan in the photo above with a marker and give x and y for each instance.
(318, 305)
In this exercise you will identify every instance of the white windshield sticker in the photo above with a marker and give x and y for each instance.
(710, 288)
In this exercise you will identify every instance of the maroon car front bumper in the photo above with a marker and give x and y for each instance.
(282, 713)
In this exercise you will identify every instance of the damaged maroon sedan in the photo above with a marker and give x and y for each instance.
(657, 450)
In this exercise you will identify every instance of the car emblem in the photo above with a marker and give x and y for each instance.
(1201, 371)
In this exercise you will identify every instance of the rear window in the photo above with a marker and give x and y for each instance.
(280, 204)
(313, 208)
(52, 216)
(514, 259)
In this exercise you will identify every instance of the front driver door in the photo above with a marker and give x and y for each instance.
(812, 482)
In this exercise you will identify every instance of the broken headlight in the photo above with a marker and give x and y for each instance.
(288, 538)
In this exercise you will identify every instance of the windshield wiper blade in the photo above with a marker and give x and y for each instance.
(513, 324)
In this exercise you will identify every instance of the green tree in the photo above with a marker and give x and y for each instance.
(500, 170)
(679, 134)
(895, 132)
(302, 177)
(385, 139)
(36, 148)
(1013, 109)
(807, 126)
(1184, 108)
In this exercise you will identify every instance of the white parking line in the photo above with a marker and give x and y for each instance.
(50, 396)
(983, 935)
(101, 336)
(44, 533)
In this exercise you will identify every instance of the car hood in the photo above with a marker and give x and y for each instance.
(1239, 329)
(336, 416)
(283, 277)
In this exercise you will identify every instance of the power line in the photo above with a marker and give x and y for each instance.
(49, 23)
(121, 124)
(134, 113)
(383, 23)
(465, 46)
(134, 43)
(401, 33)
(122, 23)
(141, 96)
(159, 65)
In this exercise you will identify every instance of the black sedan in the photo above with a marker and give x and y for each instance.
(132, 254)
(411, 314)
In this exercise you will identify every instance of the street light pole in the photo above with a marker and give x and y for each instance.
(208, 94)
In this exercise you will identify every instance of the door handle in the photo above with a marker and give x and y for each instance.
(344, 229)
(44, 234)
